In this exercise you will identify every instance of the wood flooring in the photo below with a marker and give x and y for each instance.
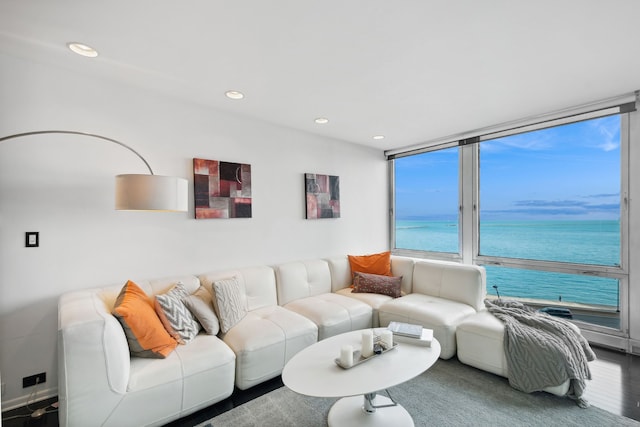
(615, 383)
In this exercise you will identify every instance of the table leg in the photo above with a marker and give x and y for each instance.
(369, 403)
(351, 411)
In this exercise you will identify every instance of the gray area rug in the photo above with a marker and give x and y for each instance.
(448, 394)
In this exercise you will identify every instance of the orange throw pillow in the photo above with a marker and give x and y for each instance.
(371, 264)
(145, 334)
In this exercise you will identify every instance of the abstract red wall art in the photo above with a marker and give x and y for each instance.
(322, 195)
(221, 189)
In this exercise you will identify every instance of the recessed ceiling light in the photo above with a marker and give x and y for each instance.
(234, 94)
(378, 137)
(321, 120)
(82, 49)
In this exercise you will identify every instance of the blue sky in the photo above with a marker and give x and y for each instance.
(564, 172)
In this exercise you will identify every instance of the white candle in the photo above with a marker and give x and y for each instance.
(386, 337)
(346, 356)
(367, 344)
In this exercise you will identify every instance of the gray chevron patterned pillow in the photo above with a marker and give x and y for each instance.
(175, 316)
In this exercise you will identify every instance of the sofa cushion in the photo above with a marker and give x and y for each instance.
(333, 313)
(264, 341)
(375, 301)
(480, 343)
(200, 303)
(440, 314)
(194, 376)
(206, 353)
(302, 279)
(452, 281)
(377, 284)
(379, 263)
(229, 303)
(175, 316)
(403, 267)
(144, 331)
(258, 284)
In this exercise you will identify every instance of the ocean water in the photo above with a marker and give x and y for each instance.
(587, 242)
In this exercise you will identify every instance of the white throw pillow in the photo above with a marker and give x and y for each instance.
(229, 303)
(200, 303)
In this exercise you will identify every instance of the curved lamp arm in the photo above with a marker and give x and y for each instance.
(73, 132)
(138, 192)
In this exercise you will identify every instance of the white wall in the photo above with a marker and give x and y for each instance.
(62, 187)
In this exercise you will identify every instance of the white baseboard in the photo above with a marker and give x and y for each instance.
(618, 343)
(20, 401)
(635, 347)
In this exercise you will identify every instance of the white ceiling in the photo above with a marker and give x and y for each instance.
(413, 71)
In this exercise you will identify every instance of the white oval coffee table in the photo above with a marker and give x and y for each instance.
(313, 372)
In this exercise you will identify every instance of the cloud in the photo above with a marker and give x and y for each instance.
(605, 207)
(550, 203)
(537, 212)
(609, 129)
(609, 145)
(532, 141)
(557, 208)
(601, 133)
(603, 195)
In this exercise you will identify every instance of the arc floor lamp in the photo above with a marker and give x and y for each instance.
(137, 192)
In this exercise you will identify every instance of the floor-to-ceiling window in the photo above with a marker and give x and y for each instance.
(427, 201)
(548, 203)
(553, 196)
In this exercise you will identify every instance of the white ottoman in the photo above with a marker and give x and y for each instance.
(480, 342)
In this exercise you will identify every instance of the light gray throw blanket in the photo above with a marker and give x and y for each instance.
(542, 350)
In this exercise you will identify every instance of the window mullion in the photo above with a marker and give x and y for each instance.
(467, 201)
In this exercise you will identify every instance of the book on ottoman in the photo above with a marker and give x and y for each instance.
(411, 334)
(405, 329)
(424, 340)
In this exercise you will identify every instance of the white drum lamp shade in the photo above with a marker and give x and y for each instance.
(135, 192)
(138, 192)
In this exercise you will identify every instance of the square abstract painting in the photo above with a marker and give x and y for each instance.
(323, 196)
(221, 189)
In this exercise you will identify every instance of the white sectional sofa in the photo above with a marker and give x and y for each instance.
(288, 307)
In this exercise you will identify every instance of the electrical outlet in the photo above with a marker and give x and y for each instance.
(34, 379)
